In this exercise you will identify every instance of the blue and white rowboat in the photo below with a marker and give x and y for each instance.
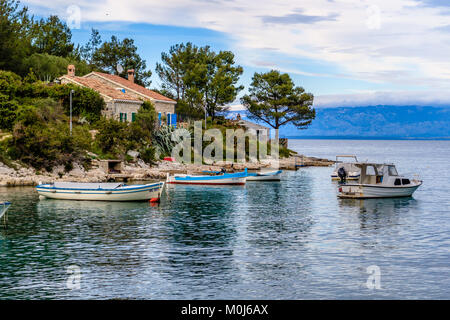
(222, 179)
(101, 191)
(265, 176)
(4, 207)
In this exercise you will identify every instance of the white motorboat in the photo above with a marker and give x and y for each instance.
(264, 176)
(101, 191)
(237, 178)
(4, 205)
(348, 169)
(379, 181)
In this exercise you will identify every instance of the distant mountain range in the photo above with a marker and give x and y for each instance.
(374, 122)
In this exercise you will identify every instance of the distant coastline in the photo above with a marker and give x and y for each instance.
(366, 138)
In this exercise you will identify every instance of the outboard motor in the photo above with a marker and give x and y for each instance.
(342, 174)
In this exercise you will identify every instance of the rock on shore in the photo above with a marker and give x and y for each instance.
(138, 171)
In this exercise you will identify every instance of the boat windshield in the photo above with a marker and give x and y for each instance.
(370, 171)
(393, 171)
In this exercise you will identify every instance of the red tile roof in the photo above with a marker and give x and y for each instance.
(102, 88)
(132, 86)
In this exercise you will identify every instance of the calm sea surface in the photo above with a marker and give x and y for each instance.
(289, 240)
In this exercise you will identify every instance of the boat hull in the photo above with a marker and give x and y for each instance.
(356, 191)
(227, 181)
(266, 176)
(238, 178)
(4, 207)
(138, 193)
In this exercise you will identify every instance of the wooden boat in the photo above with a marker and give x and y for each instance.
(101, 191)
(265, 176)
(4, 207)
(237, 178)
(379, 181)
(349, 170)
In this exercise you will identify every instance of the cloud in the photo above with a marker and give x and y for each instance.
(375, 98)
(445, 28)
(295, 18)
(236, 107)
(403, 43)
(436, 3)
(398, 98)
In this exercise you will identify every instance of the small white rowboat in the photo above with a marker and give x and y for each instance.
(101, 191)
(4, 207)
(265, 176)
(222, 179)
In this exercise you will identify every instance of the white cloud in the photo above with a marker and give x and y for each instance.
(236, 107)
(388, 41)
(374, 98)
(398, 98)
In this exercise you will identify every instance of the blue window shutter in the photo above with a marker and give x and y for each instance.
(174, 120)
(159, 118)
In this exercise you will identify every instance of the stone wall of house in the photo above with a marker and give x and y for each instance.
(124, 107)
(109, 109)
(163, 107)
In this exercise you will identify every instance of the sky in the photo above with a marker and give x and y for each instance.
(345, 52)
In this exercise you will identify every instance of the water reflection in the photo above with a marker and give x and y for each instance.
(199, 231)
(292, 239)
(376, 213)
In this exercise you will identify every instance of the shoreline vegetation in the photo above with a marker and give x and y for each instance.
(36, 106)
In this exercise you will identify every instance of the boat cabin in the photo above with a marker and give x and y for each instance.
(383, 174)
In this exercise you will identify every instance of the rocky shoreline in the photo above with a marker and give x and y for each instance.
(138, 171)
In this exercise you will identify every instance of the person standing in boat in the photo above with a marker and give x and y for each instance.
(342, 174)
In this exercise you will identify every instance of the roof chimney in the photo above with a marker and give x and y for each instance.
(71, 70)
(131, 75)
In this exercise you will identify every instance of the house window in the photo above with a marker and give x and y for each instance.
(169, 119)
(123, 117)
(133, 116)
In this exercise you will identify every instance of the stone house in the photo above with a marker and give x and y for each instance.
(123, 97)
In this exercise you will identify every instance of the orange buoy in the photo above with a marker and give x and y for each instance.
(154, 200)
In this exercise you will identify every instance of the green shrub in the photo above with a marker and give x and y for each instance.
(8, 109)
(112, 136)
(48, 67)
(41, 139)
(10, 84)
(148, 154)
(86, 102)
